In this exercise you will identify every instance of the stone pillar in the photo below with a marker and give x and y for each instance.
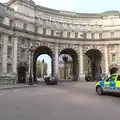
(15, 55)
(106, 60)
(81, 64)
(56, 59)
(4, 54)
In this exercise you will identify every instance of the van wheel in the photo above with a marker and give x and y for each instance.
(99, 90)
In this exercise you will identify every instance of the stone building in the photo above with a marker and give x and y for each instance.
(24, 24)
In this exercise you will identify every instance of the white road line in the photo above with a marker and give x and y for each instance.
(16, 90)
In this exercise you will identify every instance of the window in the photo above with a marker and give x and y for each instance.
(111, 78)
(22, 41)
(22, 53)
(10, 39)
(100, 35)
(52, 32)
(112, 34)
(25, 26)
(44, 31)
(9, 52)
(92, 35)
(68, 34)
(76, 35)
(36, 29)
(118, 78)
(11, 23)
(113, 57)
(9, 67)
(85, 35)
(61, 34)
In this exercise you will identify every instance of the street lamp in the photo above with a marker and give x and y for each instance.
(31, 66)
(65, 59)
(42, 69)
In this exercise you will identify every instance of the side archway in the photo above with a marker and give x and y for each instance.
(94, 63)
(39, 51)
(114, 68)
(22, 69)
(74, 56)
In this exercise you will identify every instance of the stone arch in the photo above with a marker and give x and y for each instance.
(88, 48)
(74, 56)
(114, 68)
(22, 69)
(37, 52)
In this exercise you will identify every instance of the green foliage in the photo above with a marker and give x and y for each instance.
(38, 68)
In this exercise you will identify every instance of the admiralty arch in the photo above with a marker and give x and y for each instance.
(91, 36)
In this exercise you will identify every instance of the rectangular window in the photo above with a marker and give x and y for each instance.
(9, 67)
(61, 34)
(36, 29)
(25, 26)
(9, 52)
(10, 39)
(11, 23)
(100, 35)
(112, 34)
(76, 35)
(44, 31)
(68, 34)
(113, 57)
(85, 35)
(92, 35)
(52, 32)
(22, 53)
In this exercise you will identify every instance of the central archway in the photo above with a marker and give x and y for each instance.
(74, 56)
(94, 63)
(39, 51)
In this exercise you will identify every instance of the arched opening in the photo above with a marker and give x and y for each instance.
(113, 70)
(40, 51)
(43, 67)
(69, 58)
(92, 63)
(22, 70)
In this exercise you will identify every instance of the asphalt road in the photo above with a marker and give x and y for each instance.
(66, 101)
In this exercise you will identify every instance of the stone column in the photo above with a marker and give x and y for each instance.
(4, 54)
(106, 60)
(56, 59)
(15, 40)
(81, 64)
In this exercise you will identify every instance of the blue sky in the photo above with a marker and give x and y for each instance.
(82, 6)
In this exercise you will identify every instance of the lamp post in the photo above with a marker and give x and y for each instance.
(42, 69)
(31, 66)
(65, 59)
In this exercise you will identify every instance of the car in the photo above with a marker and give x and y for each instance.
(110, 84)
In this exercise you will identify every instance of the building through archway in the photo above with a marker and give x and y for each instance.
(74, 56)
(93, 65)
(39, 51)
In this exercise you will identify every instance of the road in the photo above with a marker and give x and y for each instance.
(66, 101)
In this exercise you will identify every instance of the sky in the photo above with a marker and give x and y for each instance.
(84, 6)
(81, 6)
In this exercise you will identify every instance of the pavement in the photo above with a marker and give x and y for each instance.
(65, 101)
(15, 86)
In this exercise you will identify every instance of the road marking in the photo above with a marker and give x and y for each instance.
(1, 94)
(16, 90)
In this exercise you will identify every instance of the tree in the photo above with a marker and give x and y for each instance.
(38, 68)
